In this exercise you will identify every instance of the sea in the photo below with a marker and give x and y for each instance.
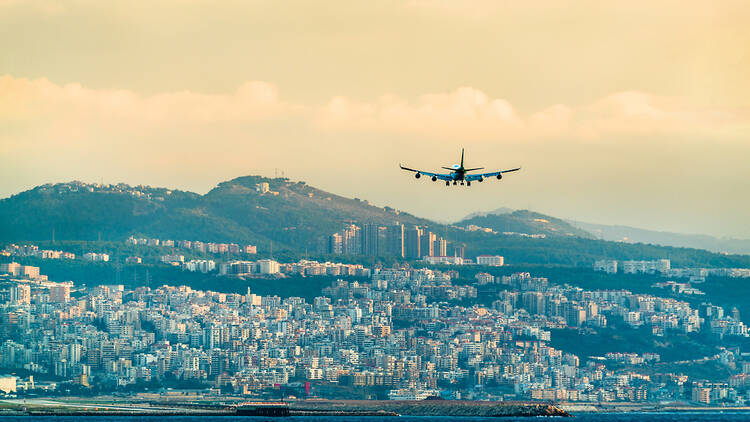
(581, 417)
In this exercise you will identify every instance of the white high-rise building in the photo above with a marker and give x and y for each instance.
(59, 293)
(202, 265)
(262, 187)
(12, 268)
(608, 266)
(646, 267)
(20, 294)
(96, 257)
(491, 260)
(74, 353)
(268, 266)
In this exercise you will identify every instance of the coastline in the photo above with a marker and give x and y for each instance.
(578, 408)
(317, 407)
(295, 408)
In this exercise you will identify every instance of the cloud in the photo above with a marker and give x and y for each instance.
(470, 113)
(83, 130)
(24, 99)
(465, 113)
(636, 113)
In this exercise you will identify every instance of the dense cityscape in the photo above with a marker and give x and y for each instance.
(391, 333)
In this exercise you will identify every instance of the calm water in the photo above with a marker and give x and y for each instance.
(608, 417)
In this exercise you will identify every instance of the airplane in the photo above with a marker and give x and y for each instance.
(458, 173)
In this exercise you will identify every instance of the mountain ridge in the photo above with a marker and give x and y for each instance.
(235, 210)
(630, 234)
(525, 222)
(294, 216)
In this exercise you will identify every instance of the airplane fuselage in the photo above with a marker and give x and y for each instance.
(458, 174)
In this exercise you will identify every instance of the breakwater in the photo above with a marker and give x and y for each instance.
(382, 408)
(420, 408)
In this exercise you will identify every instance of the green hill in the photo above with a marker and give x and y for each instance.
(291, 214)
(525, 222)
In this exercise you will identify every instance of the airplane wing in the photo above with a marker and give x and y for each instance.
(473, 177)
(427, 173)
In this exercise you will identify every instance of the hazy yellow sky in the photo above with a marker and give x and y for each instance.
(632, 112)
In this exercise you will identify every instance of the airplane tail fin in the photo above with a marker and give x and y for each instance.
(462, 158)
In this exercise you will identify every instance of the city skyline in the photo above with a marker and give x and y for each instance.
(246, 343)
(630, 114)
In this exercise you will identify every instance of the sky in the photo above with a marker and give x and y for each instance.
(634, 113)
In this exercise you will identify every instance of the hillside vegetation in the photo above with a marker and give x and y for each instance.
(526, 222)
(294, 216)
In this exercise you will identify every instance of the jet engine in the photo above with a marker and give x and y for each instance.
(499, 176)
(418, 175)
(434, 178)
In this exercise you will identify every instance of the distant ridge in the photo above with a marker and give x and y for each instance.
(498, 211)
(524, 222)
(618, 233)
(628, 234)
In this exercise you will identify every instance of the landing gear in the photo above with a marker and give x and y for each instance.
(468, 183)
(455, 183)
(447, 183)
(462, 183)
